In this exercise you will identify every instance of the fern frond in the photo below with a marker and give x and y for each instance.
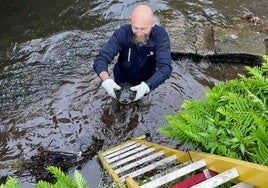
(230, 122)
(175, 128)
(79, 181)
(260, 133)
(255, 72)
(11, 183)
(261, 156)
(62, 179)
(44, 184)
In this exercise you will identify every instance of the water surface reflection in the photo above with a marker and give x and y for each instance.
(52, 97)
(49, 94)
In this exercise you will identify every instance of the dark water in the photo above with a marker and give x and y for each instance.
(50, 96)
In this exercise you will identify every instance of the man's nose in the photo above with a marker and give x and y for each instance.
(139, 32)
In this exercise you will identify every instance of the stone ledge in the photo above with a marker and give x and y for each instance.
(244, 41)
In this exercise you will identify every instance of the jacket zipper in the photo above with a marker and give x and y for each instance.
(129, 53)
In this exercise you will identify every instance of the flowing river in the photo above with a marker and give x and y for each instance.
(50, 96)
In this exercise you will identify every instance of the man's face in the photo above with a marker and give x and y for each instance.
(141, 33)
(142, 22)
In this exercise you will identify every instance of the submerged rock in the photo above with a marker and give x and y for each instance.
(36, 166)
(125, 95)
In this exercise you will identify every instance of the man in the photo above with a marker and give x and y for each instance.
(144, 55)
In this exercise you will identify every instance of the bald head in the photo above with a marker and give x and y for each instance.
(143, 16)
(142, 22)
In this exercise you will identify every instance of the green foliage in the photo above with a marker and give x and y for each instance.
(231, 122)
(79, 180)
(11, 183)
(63, 181)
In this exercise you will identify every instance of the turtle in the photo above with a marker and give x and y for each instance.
(125, 95)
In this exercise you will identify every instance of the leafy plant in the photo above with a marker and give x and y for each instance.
(11, 183)
(231, 122)
(63, 181)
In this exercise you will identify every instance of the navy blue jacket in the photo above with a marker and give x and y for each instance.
(150, 63)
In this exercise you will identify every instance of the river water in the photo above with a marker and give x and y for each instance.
(50, 95)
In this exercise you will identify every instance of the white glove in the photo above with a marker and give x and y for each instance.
(141, 90)
(110, 87)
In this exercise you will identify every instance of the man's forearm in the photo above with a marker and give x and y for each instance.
(104, 75)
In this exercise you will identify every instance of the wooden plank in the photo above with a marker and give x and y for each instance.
(149, 167)
(109, 169)
(130, 183)
(171, 169)
(132, 157)
(181, 155)
(118, 147)
(174, 175)
(218, 179)
(242, 185)
(139, 162)
(250, 173)
(120, 150)
(197, 178)
(124, 155)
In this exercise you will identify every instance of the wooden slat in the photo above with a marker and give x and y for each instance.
(124, 155)
(119, 147)
(250, 173)
(109, 169)
(218, 179)
(195, 179)
(242, 185)
(175, 174)
(149, 167)
(131, 158)
(131, 183)
(120, 150)
(171, 169)
(139, 162)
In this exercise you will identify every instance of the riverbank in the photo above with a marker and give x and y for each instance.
(244, 41)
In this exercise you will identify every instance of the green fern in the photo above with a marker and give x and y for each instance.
(44, 184)
(63, 181)
(79, 181)
(231, 122)
(261, 156)
(11, 183)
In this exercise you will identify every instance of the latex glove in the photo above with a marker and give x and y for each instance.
(110, 87)
(141, 90)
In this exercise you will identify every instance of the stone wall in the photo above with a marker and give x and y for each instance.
(244, 40)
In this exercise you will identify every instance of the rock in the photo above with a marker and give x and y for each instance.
(239, 40)
(244, 41)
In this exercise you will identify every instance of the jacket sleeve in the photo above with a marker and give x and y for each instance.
(163, 60)
(108, 52)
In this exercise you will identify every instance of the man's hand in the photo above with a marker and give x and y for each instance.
(110, 87)
(141, 90)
